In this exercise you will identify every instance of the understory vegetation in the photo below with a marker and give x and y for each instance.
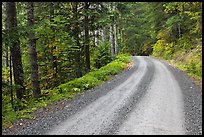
(64, 91)
(180, 39)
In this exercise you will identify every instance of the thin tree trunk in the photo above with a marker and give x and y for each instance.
(96, 37)
(92, 33)
(112, 46)
(178, 27)
(86, 28)
(111, 40)
(115, 40)
(99, 36)
(6, 61)
(76, 32)
(103, 35)
(115, 33)
(11, 82)
(179, 30)
(54, 58)
(6, 45)
(32, 52)
(15, 49)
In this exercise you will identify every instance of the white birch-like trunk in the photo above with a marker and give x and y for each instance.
(115, 33)
(103, 34)
(96, 37)
(99, 36)
(111, 40)
(115, 39)
(111, 35)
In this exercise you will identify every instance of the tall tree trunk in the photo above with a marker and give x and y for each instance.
(115, 39)
(15, 49)
(99, 36)
(111, 40)
(178, 26)
(115, 32)
(179, 30)
(76, 32)
(112, 46)
(96, 37)
(6, 61)
(92, 34)
(32, 52)
(9, 61)
(54, 58)
(103, 35)
(11, 82)
(6, 45)
(86, 28)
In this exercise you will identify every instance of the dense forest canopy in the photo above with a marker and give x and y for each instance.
(45, 44)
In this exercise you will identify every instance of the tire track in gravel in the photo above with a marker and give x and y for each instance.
(133, 99)
(106, 114)
(160, 112)
(150, 98)
(192, 97)
(56, 116)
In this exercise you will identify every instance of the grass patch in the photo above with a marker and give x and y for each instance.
(64, 91)
(189, 61)
(192, 73)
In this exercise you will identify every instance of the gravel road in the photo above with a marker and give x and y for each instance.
(152, 98)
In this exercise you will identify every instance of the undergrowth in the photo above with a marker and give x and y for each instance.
(182, 54)
(64, 91)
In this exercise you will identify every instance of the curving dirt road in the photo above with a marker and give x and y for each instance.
(150, 101)
(152, 98)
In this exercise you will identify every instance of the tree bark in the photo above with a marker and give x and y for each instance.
(103, 35)
(96, 37)
(86, 28)
(6, 61)
(6, 45)
(54, 58)
(115, 39)
(115, 32)
(32, 52)
(76, 33)
(111, 40)
(11, 82)
(15, 49)
(112, 46)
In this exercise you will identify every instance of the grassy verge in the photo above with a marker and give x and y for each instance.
(64, 91)
(196, 77)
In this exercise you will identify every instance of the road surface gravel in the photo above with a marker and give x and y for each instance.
(152, 98)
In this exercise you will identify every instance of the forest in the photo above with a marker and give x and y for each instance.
(53, 50)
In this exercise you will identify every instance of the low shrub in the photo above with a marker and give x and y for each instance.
(94, 78)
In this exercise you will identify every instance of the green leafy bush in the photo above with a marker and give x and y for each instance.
(101, 56)
(94, 78)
